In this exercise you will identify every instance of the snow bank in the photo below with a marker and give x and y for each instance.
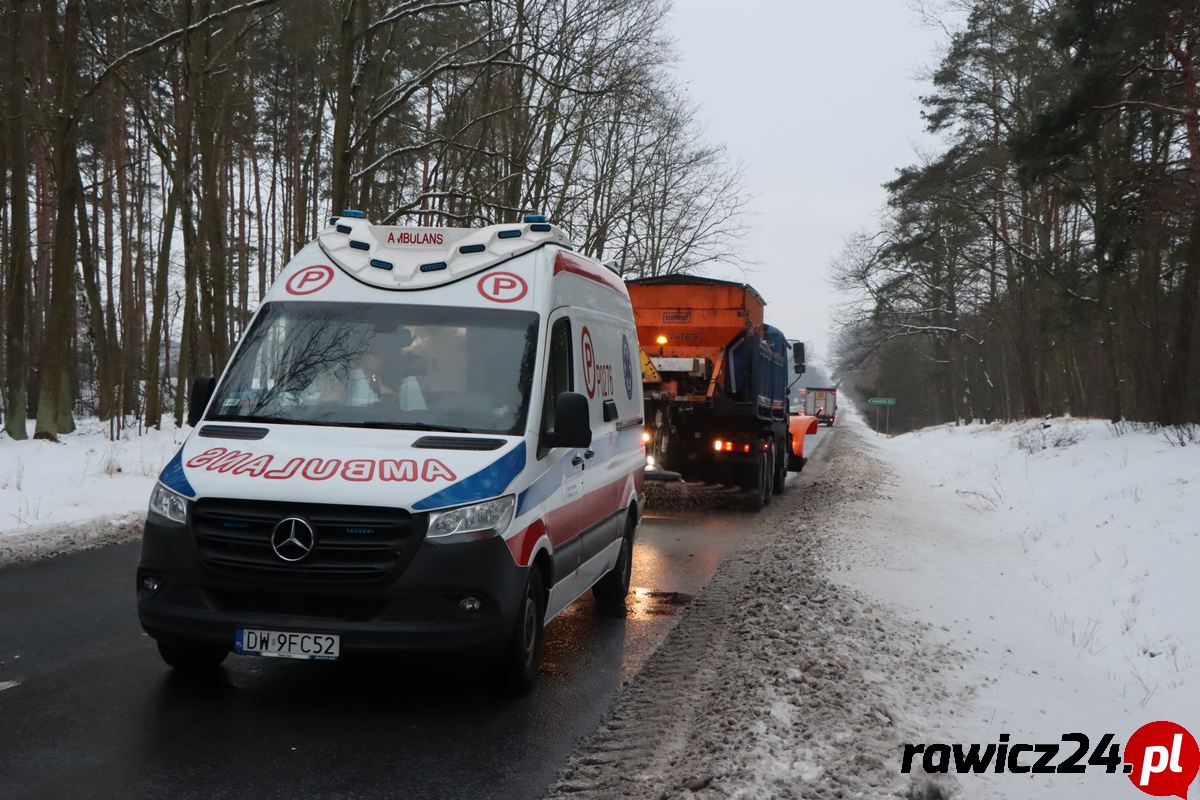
(81, 491)
(1061, 557)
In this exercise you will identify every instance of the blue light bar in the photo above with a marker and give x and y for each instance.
(472, 248)
(534, 218)
(357, 245)
(344, 229)
(508, 234)
(350, 212)
(381, 264)
(434, 267)
(541, 228)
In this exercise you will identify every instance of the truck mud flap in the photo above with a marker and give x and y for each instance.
(663, 476)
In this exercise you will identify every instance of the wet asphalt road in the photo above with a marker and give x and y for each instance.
(87, 709)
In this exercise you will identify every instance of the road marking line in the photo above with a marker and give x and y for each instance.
(8, 685)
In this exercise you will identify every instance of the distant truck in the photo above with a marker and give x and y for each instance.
(822, 404)
(715, 384)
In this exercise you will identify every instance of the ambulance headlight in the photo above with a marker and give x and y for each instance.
(468, 523)
(168, 504)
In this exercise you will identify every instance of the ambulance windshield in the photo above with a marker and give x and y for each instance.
(383, 366)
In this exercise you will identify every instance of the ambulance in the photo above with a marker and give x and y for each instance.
(428, 440)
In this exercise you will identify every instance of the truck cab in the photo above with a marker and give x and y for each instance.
(428, 440)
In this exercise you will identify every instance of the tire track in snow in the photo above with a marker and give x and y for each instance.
(775, 682)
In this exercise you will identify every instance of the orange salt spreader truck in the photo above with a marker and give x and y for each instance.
(715, 383)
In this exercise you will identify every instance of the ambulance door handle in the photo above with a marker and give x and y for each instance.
(576, 461)
(589, 453)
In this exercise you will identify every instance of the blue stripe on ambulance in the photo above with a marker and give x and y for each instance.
(542, 488)
(174, 478)
(491, 481)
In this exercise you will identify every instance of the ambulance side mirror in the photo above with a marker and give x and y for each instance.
(572, 423)
(202, 391)
(798, 357)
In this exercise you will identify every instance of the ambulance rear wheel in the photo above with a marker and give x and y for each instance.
(610, 591)
(519, 664)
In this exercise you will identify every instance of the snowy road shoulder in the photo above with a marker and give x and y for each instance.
(85, 491)
(776, 682)
(1060, 559)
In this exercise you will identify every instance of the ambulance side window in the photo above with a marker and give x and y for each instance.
(558, 371)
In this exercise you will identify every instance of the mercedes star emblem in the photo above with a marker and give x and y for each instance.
(293, 539)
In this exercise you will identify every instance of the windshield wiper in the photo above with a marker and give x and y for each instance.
(411, 426)
(260, 418)
(400, 426)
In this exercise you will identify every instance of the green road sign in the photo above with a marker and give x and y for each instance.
(882, 401)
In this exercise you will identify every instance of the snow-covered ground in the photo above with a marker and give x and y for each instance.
(948, 586)
(84, 490)
(1061, 559)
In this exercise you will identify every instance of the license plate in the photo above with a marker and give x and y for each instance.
(287, 644)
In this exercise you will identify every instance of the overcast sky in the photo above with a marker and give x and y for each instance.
(819, 101)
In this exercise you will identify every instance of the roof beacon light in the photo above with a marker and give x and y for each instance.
(354, 213)
(534, 218)
(661, 340)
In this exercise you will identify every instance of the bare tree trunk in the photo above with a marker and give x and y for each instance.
(99, 332)
(56, 356)
(17, 280)
(158, 313)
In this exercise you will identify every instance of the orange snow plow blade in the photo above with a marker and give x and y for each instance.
(799, 426)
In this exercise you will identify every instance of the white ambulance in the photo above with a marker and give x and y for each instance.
(429, 439)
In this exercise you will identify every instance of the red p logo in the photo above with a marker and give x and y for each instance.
(502, 287)
(309, 280)
(1164, 758)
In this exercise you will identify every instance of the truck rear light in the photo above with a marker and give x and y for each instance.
(718, 445)
(645, 437)
(745, 448)
(729, 447)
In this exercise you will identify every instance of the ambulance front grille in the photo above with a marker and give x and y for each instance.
(355, 545)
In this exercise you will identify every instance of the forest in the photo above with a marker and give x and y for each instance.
(1046, 259)
(160, 160)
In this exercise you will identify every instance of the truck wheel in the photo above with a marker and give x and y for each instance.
(610, 591)
(519, 664)
(192, 657)
(781, 471)
(768, 475)
(755, 486)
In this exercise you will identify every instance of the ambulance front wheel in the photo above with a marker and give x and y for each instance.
(519, 664)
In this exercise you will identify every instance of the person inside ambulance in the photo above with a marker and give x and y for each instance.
(372, 373)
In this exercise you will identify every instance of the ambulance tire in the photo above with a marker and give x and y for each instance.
(192, 657)
(781, 470)
(611, 590)
(519, 664)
